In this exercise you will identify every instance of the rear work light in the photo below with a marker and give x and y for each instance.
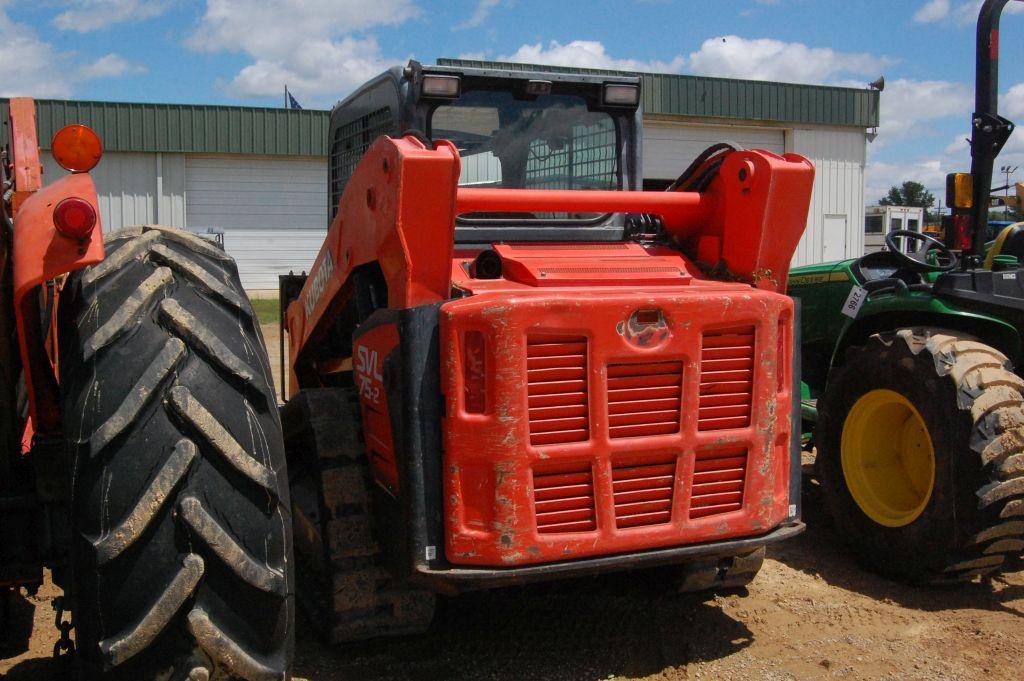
(77, 148)
(441, 86)
(621, 95)
(74, 218)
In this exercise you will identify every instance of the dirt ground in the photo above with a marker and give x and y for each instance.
(810, 614)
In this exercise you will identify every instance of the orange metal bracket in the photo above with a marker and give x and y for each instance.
(41, 253)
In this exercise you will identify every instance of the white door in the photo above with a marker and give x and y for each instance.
(833, 239)
(272, 210)
(670, 147)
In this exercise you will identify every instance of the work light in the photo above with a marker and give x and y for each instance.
(441, 86)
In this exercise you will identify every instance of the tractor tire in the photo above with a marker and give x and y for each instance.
(181, 534)
(921, 456)
(344, 586)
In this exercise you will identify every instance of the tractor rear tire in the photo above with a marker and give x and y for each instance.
(917, 404)
(344, 587)
(181, 534)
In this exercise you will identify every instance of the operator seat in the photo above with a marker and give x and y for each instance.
(1009, 242)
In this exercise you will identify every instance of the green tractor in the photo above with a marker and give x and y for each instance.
(912, 363)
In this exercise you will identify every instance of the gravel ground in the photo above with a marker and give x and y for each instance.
(810, 614)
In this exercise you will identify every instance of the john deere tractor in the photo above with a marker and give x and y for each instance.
(912, 363)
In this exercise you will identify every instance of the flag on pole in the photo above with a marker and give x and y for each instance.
(289, 101)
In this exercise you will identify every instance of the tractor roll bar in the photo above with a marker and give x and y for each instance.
(989, 130)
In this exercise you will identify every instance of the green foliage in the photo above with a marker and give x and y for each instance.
(910, 193)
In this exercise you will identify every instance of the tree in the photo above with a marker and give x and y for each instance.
(910, 193)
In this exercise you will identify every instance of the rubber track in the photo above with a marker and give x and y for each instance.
(994, 396)
(174, 257)
(356, 599)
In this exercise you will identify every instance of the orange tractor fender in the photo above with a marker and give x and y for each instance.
(41, 253)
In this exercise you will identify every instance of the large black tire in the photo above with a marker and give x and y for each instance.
(181, 533)
(973, 409)
(344, 586)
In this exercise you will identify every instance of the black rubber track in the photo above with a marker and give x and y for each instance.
(344, 586)
(181, 527)
(973, 407)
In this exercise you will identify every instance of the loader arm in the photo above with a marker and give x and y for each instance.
(399, 209)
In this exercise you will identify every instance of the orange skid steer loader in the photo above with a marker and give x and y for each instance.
(505, 366)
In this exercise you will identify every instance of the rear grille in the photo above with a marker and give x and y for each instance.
(718, 478)
(643, 492)
(726, 378)
(556, 371)
(563, 498)
(644, 399)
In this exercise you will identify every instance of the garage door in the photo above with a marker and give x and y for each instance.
(272, 210)
(670, 147)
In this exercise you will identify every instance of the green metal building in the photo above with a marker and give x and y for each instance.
(259, 175)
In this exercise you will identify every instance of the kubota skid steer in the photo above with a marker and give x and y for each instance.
(498, 377)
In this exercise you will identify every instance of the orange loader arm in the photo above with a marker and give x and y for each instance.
(400, 205)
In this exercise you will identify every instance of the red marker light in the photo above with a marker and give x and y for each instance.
(74, 218)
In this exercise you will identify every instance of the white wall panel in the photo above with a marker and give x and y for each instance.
(263, 254)
(127, 186)
(839, 158)
(670, 147)
(256, 192)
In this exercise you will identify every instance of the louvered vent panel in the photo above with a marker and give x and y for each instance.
(557, 389)
(726, 378)
(643, 492)
(563, 498)
(644, 399)
(718, 479)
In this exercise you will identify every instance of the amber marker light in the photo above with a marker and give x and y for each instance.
(77, 148)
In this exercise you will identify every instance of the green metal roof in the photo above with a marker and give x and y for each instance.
(752, 100)
(214, 129)
(185, 127)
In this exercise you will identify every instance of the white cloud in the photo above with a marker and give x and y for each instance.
(307, 44)
(930, 172)
(42, 70)
(480, 14)
(967, 12)
(109, 66)
(768, 59)
(908, 105)
(274, 27)
(1011, 103)
(321, 67)
(588, 54)
(91, 15)
(964, 13)
(934, 10)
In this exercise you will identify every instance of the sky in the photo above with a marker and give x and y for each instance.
(246, 51)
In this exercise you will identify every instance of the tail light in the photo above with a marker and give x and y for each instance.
(74, 218)
(958, 232)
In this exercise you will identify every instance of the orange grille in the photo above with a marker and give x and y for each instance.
(556, 371)
(726, 378)
(643, 492)
(563, 498)
(718, 478)
(644, 399)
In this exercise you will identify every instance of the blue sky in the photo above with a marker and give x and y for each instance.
(245, 51)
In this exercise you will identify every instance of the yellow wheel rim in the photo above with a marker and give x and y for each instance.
(888, 458)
